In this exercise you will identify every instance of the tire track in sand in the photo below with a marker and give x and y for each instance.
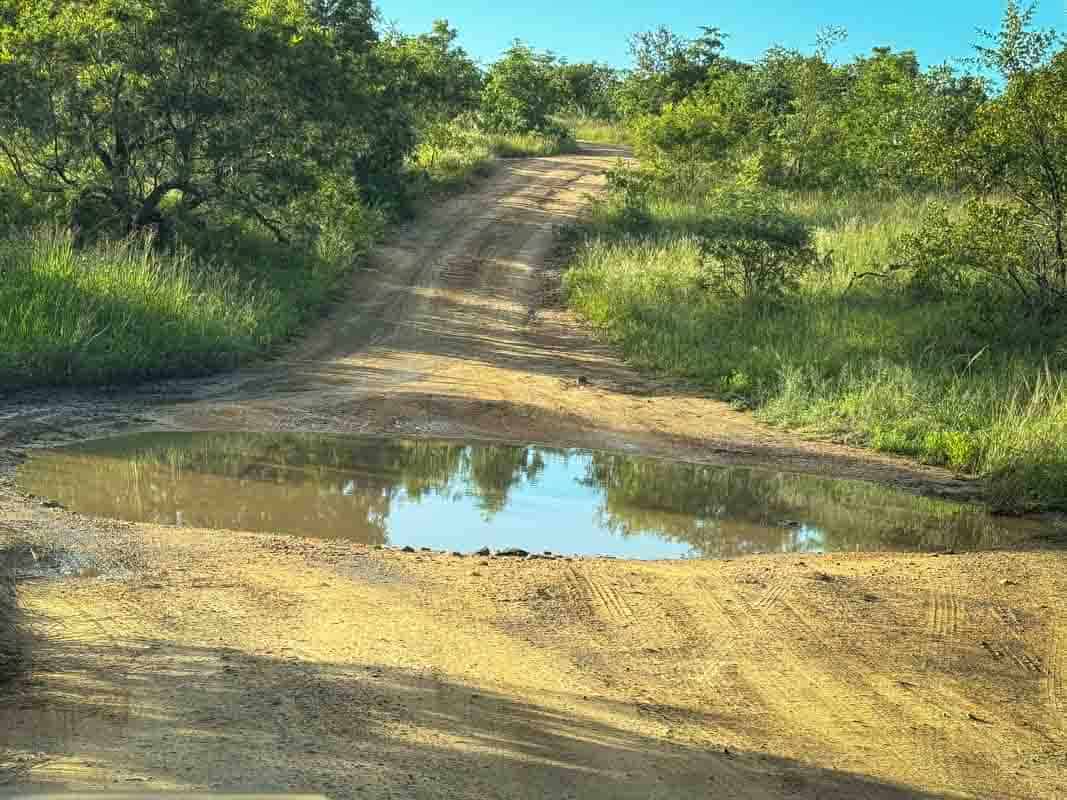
(829, 691)
(600, 594)
(768, 669)
(946, 617)
(774, 593)
(1015, 646)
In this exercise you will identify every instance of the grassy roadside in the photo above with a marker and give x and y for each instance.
(118, 312)
(125, 311)
(598, 131)
(470, 156)
(963, 381)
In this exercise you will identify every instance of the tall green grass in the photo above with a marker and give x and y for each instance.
(121, 311)
(525, 145)
(967, 381)
(598, 131)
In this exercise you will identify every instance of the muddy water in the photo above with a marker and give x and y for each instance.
(463, 496)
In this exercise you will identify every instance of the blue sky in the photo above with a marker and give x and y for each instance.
(597, 29)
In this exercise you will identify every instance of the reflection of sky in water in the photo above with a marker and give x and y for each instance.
(554, 512)
(808, 540)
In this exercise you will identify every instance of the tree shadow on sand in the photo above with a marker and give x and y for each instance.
(158, 714)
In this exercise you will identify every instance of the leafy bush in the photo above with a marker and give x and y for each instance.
(668, 68)
(753, 250)
(685, 135)
(589, 90)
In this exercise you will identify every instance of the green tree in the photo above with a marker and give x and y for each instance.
(1014, 154)
(882, 102)
(439, 79)
(947, 115)
(589, 89)
(703, 129)
(436, 80)
(668, 68)
(130, 107)
(1019, 145)
(807, 135)
(522, 90)
(351, 20)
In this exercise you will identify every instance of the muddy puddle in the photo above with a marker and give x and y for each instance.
(463, 496)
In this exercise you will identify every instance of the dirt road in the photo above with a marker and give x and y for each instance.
(210, 659)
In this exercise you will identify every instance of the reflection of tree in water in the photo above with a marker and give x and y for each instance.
(310, 484)
(722, 512)
(493, 471)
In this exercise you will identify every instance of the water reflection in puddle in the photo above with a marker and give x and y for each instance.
(462, 496)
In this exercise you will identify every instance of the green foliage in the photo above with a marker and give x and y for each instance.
(589, 90)
(689, 135)
(1019, 145)
(522, 92)
(986, 242)
(120, 105)
(18, 206)
(877, 122)
(754, 250)
(668, 68)
(350, 21)
(1014, 153)
(436, 76)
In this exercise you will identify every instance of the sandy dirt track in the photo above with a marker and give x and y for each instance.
(217, 660)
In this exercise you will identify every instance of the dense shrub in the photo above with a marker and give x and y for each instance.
(753, 250)
(134, 110)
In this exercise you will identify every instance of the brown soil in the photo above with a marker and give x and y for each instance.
(196, 660)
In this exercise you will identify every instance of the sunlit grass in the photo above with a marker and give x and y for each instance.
(969, 382)
(120, 311)
(523, 145)
(599, 131)
(470, 154)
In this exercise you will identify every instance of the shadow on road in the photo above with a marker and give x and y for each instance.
(162, 715)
